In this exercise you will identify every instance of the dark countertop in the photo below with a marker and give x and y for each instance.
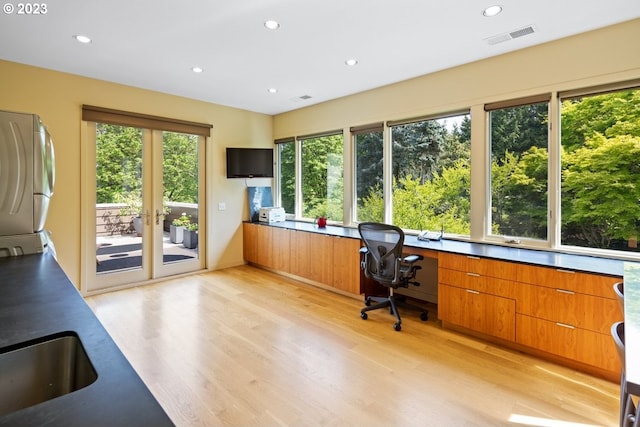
(37, 300)
(584, 263)
(632, 326)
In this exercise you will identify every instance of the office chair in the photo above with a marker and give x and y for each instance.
(382, 261)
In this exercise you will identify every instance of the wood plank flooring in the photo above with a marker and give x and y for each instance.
(245, 347)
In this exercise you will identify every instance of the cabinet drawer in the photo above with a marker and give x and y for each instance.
(480, 312)
(477, 282)
(584, 346)
(558, 305)
(590, 284)
(474, 264)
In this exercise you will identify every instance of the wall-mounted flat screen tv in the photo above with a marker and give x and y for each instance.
(249, 162)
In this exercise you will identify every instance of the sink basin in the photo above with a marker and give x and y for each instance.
(43, 369)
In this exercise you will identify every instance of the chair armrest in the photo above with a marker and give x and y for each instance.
(412, 258)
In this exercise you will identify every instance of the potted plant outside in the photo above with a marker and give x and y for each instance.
(130, 215)
(176, 230)
(190, 240)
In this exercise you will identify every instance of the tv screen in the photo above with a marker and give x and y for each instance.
(249, 162)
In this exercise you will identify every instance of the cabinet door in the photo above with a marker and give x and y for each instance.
(281, 248)
(584, 346)
(321, 262)
(585, 283)
(264, 254)
(300, 253)
(488, 314)
(250, 242)
(574, 309)
(482, 266)
(346, 264)
(477, 282)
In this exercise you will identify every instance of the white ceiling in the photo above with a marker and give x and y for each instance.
(153, 44)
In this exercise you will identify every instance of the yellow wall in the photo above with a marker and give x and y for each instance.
(58, 97)
(606, 55)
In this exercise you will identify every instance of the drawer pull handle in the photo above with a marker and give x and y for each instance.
(473, 274)
(565, 291)
(471, 291)
(559, 270)
(564, 325)
(473, 257)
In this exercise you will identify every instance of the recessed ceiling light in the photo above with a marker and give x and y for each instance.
(272, 90)
(197, 69)
(82, 39)
(271, 24)
(351, 62)
(492, 11)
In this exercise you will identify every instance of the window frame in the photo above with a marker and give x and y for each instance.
(480, 186)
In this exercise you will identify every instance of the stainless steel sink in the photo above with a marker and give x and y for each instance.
(39, 370)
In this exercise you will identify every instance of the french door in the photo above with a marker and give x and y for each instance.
(145, 181)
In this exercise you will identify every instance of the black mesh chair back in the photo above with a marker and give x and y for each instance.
(384, 243)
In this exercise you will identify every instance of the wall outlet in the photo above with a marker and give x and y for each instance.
(222, 206)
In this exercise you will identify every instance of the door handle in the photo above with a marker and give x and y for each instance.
(146, 216)
(158, 215)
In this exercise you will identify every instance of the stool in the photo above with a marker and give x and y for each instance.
(628, 416)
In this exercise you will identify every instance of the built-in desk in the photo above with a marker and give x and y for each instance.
(585, 263)
(632, 325)
(555, 305)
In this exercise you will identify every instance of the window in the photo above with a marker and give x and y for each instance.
(600, 184)
(287, 174)
(322, 176)
(368, 174)
(519, 168)
(430, 168)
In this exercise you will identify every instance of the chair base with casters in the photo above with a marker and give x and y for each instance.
(382, 260)
(393, 303)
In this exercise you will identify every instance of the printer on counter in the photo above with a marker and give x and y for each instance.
(271, 214)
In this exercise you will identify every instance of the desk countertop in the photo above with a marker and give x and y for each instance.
(632, 326)
(37, 300)
(584, 263)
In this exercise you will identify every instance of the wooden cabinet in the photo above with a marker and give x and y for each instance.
(477, 294)
(560, 313)
(299, 254)
(568, 314)
(320, 246)
(581, 345)
(328, 260)
(346, 264)
(250, 242)
(481, 312)
(281, 249)
(258, 242)
(571, 308)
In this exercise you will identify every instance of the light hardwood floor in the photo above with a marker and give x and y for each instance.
(245, 347)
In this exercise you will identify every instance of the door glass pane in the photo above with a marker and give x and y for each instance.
(118, 198)
(180, 197)
(368, 175)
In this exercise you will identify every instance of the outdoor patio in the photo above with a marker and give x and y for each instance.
(124, 252)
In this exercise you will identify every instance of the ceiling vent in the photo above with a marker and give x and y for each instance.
(510, 35)
(301, 98)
